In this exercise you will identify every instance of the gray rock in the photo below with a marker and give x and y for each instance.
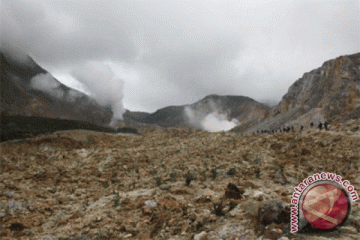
(348, 230)
(150, 203)
(273, 211)
(200, 236)
(165, 187)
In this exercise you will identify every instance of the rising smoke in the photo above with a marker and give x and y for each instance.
(209, 118)
(215, 122)
(103, 85)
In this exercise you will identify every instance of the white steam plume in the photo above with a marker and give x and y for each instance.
(212, 121)
(215, 122)
(103, 85)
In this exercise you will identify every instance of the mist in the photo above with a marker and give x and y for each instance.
(103, 85)
(215, 122)
(47, 83)
(177, 52)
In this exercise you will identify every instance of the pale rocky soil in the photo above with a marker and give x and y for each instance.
(87, 185)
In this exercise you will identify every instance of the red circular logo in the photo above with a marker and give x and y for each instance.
(325, 206)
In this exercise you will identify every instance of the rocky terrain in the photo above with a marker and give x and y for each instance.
(329, 93)
(173, 183)
(170, 181)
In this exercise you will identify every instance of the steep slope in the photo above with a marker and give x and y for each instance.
(329, 93)
(243, 109)
(47, 97)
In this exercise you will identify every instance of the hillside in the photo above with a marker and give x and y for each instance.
(45, 96)
(241, 108)
(329, 93)
(88, 185)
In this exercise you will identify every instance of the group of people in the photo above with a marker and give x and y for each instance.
(321, 125)
(287, 129)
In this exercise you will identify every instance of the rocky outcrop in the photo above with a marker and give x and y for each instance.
(329, 93)
(334, 87)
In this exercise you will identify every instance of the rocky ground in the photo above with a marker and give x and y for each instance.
(169, 183)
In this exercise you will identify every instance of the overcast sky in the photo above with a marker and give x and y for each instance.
(175, 52)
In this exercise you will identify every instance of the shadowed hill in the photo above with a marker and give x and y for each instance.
(19, 97)
(20, 127)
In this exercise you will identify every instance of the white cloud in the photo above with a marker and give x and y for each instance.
(176, 52)
(207, 116)
(215, 122)
(47, 83)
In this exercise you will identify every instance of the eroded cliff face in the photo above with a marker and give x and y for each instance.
(329, 93)
(334, 87)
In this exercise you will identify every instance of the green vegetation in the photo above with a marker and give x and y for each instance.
(116, 199)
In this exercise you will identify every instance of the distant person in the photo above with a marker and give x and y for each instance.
(320, 126)
(326, 126)
(292, 128)
(301, 128)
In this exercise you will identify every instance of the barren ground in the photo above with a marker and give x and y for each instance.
(88, 185)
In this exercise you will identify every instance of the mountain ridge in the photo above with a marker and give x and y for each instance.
(236, 107)
(328, 93)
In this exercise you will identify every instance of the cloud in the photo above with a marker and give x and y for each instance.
(16, 55)
(57, 35)
(103, 85)
(47, 83)
(181, 51)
